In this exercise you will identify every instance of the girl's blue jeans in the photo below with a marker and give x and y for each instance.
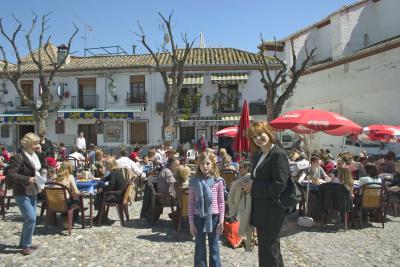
(200, 253)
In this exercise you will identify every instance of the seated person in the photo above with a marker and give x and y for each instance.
(345, 177)
(125, 162)
(147, 165)
(62, 151)
(166, 179)
(98, 169)
(372, 175)
(182, 176)
(91, 153)
(316, 170)
(227, 163)
(65, 177)
(76, 158)
(135, 154)
(328, 165)
(114, 181)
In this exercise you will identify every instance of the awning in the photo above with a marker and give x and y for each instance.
(190, 79)
(210, 121)
(99, 114)
(16, 117)
(229, 78)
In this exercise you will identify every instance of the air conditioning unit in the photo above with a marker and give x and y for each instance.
(160, 107)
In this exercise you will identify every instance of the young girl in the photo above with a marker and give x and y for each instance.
(206, 209)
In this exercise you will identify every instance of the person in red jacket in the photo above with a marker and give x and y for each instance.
(5, 154)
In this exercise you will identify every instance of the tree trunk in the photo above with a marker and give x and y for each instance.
(40, 118)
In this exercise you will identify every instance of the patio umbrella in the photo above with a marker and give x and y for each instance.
(311, 121)
(228, 132)
(241, 142)
(383, 133)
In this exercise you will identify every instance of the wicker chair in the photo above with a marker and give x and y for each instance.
(372, 198)
(57, 202)
(122, 205)
(229, 176)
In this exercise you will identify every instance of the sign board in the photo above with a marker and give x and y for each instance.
(204, 123)
(13, 119)
(101, 115)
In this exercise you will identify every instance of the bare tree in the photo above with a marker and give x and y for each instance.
(47, 66)
(279, 84)
(177, 58)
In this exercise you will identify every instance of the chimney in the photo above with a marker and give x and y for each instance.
(133, 49)
(61, 53)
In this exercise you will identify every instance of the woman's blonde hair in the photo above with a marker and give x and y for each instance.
(182, 173)
(257, 128)
(345, 177)
(66, 165)
(29, 139)
(222, 152)
(226, 160)
(202, 157)
(61, 175)
(110, 164)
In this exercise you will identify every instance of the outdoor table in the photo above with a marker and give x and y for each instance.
(88, 188)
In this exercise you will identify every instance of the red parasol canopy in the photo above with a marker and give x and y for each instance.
(241, 142)
(228, 132)
(315, 120)
(381, 132)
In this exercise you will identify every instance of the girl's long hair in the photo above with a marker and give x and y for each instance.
(345, 177)
(203, 156)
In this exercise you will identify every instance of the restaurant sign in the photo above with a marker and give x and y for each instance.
(205, 123)
(22, 118)
(100, 115)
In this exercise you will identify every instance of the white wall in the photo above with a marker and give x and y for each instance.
(367, 90)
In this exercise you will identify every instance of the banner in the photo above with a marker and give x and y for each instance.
(101, 115)
(14, 119)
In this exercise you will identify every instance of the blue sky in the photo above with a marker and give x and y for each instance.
(234, 23)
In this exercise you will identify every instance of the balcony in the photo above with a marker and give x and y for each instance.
(20, 104)
(136, 99)
(192, 109)
(85, 101)
(227, 104)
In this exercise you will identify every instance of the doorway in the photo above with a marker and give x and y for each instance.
(89, 131)
(186, 134)
(24, 129)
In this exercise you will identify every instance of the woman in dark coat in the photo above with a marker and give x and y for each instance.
(22, 173)
(269, 177)
(113, 181)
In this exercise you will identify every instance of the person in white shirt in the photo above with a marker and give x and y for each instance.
(76, 158)
(81, 143)
(125, 162)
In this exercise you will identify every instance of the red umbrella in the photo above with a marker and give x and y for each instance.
(228, 132)
(241, 143)
(314, 120)
(381, 132)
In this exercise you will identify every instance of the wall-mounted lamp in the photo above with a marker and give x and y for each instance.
(10, 104)
(208, 100)
(112, 89)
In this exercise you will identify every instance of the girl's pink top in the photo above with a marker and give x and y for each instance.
(217, 205)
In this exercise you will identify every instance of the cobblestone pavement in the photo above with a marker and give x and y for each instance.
(138, 244)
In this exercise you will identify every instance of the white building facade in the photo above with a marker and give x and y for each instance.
(118, 100)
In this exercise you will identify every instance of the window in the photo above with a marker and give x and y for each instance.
(228, 98)
(188, 100)
(137, 91)
(138, 132)
(27, 87)
(5, 131)
(113, 132)
(257, 108)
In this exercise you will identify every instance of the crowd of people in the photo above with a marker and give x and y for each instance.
(258, 188)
